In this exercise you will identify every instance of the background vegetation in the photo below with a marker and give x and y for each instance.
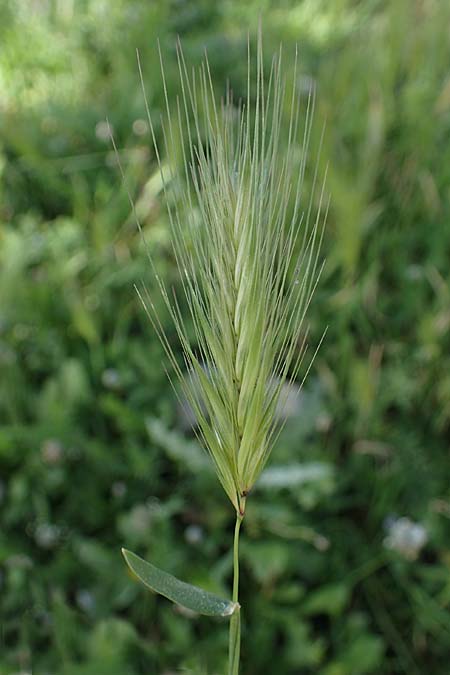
(93, 455)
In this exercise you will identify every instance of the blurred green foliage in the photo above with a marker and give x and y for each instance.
(91, 455)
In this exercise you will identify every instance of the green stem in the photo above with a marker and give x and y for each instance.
(235, 622)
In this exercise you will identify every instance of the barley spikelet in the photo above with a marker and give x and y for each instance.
(238, 216)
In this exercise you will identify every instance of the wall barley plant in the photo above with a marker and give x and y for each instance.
(247, 249)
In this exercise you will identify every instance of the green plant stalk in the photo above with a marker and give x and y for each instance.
(235, 622)
(236, 244)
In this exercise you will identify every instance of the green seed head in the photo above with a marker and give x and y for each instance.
(247, 252)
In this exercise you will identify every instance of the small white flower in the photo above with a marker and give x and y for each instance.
(406, 537)
(193, 534)
(85, 600)
(47, 535)
(140, 127)
(103, 130)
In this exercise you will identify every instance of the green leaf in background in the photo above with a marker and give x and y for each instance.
(187, 453)
(191, 597)
(329, 599)
(292, 475)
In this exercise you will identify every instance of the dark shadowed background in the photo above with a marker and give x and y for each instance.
(345, 552)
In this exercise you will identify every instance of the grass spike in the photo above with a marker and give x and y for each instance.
(247, 247)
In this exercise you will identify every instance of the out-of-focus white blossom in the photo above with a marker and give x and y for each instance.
(193, 534)
(103, 130)
(406, 537)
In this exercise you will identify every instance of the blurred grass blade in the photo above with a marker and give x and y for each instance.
(292, 475)
(188, 596)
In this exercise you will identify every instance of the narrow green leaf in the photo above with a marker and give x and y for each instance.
(293, 475)
(188, 596)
